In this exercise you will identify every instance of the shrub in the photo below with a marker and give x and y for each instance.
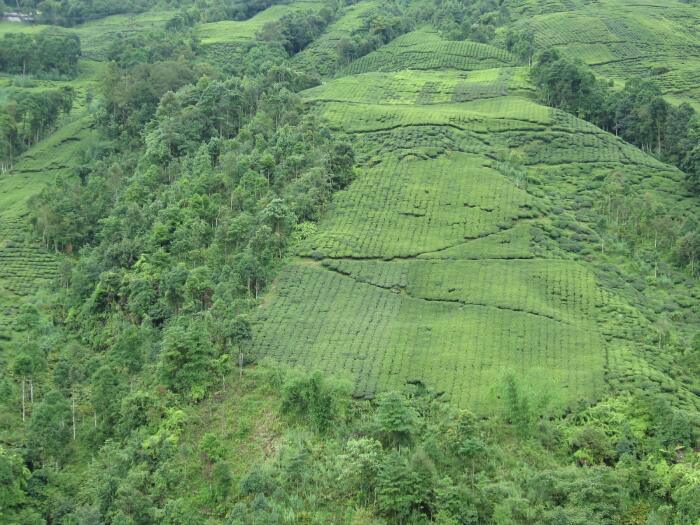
(314, 398)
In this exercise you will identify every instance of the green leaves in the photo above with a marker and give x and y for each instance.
(397, 487)
(186, 356)
(43, 53)
(14, 476)
(311, 397)
(396, 419)
(50, 428)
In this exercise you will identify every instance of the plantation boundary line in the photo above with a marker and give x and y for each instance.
(515, 222)
(460, 302)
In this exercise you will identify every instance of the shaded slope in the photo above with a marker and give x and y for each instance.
(321, 56)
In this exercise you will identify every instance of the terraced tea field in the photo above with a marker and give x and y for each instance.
(622, 39)
(25, 265)
(438, 265)
(96, 36)
(466, 246)
(427, 50)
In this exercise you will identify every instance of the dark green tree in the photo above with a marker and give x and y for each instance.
(187, 357)
(50, 432)
(396, 420)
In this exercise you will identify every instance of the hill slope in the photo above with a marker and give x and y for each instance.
(502, 279)
(467, 246)
(622, 39)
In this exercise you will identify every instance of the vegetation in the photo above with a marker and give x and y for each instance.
(29, 118)
(638, 113)
(350, 262)
(297, 30)
(43, 53)
(411, 458)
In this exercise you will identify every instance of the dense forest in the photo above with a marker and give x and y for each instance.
(171, 174)
(43, 53)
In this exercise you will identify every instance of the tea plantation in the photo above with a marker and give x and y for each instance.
(466, 247)
(27, 263)
(354, 262)
(621, 40)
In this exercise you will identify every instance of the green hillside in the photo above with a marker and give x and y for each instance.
(307, 262)
(621, 39)
(425, 50)
(436, 266)
(28, 263)
(321, 56)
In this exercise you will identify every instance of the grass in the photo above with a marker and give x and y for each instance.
(244, 418)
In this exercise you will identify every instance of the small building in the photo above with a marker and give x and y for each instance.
(16, 17)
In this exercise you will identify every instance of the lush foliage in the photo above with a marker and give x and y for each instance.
(638, 113)
(412, 459)
(375, 30)
(409, 457)
(297, 30)
(30, 117)
(45, 53)
(475, 20)
(74, 12)
(365, 190)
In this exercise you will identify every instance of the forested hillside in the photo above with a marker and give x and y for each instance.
(350, 262)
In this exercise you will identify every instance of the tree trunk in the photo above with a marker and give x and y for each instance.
(73, 413)
(23, 406)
